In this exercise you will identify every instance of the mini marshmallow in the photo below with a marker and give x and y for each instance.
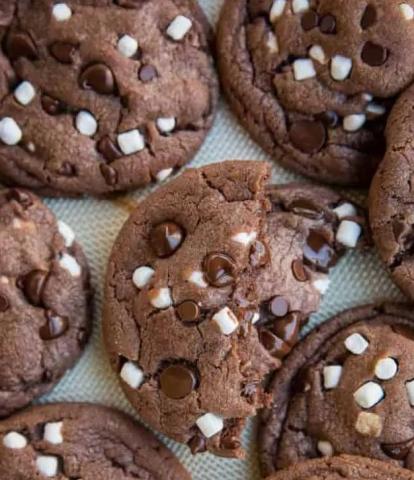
(256, 317)
(47, 465)
(369, 424)
(197, 278)
(272, 43)
(14, 440)
(166, 124)
(367, 97)
(407, 11)
(353, 123)
(299, 6)
(24, 93)
(348, 233)
(322, 285)
(226, 320)
(277, 9)
(410, 391)
(376, 110)
(31, 147)
(179, 27)
(303, 69)
(86, 123)
(61, 12)
(163, 174)
(70, 264)
(340, 67)
(160, 298)
(53, 433)
(66, 232)
(245, 238)
(386, 368)
(131, 142)
(332, 376)
(210, 424)
(142, 276)
(317, 53)
(345, 210)
(356, 344)
(132, 375)
(10, 132)
(325, 448)
(127, 46)
(369, 395)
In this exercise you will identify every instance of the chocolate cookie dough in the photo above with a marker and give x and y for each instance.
(81, 441)
(347, 388)
(94, 96)
(345, 467)
(313, 80)
(45, 299)
(392, 197)
(207, 287)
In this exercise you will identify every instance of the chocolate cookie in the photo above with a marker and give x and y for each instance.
(347, 388)
(391, 197)
(207, 287)
(45, 299)
(94, 95)
(313, 80)
(345, 467)
(81, 441)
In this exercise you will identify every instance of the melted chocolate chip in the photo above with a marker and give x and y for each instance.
(330, 119)
(307, 136)
(4, 303)
(299, 271)
(52, 106)
(229, 442)
(177, 381)
(166, 238)
(197, 444)
(63, 52)
(188, 311)
(306, 208)
(220, 269)
(108, 149)
(67, 169)
(109, 173)
(273, 344)
(398, 451)
(259, 254)
(310, 20)
(19, 44)
(328, 24)
(369, 18)
(33, 285)
(21, 197)
(98, 77)
(54, 327)
(374, 55)
(318, 252)
(147, 73)
(288, 328)
(278, 306)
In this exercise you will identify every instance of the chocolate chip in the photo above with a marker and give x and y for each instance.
(98, 77)
(328, 24)
(63, 52)
(398, 451)
(273, 344)
(67, 169)
(220, 269)
(310, 20)
(108, 149)
(166, 238)
(147, 73)
(288, 328)
(177, 381)
(307, 136)
(33, 285)
(19, 44)
(259, 254)
(52, 106)
(197, 444)
(306, 208)
(318, 252)
(188, 311)
(330, 119)
(109, 173)
(278, 306)
(374, 55)
(4, 303)
(229, 442)
(299, 271)
(54, 327)
(369, 18)
(21, 197)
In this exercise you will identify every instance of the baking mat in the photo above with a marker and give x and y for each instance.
(359, 278)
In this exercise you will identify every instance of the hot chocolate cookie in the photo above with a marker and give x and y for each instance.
(313, 80)
(45, 299)
(94, 95)
(207, 287)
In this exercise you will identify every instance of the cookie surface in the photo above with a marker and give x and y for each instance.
(45, 299)
(313, 80)
(346, 388)
(207, 287)
(82, 441)
(94, 95)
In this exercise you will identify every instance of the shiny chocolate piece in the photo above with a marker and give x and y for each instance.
(398, 451)
(288, 328)
(188, 311)
(166, 238)
(318, 252)
(147, 73)
(220, 269)
(369, 18)
(327, 24)
(299, 271)
(305, 208)
(33, 285)
(308, 136)
(374, 55)
(63, 52)
(310, 20)
(275, 345)
(278, 307)
(259, 254)
(108, 149)
(54, 327)
(52, 106)
(109, 173)
(177, 381)
(19, 44)
(98, 77)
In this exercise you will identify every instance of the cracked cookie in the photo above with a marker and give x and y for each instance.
(313, 80)
(94, 95)
(82, 441)
(392, 196)
(45, 299)
(348, 387)
(208, 285)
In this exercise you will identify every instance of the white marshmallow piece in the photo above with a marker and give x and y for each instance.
(24, 93)
(325, 448)
(163, 174)
(410, 391)
(53, 433)
(142, 276)
(226, 320)
(244, 238)
(70, 264)
(66, 232)
(127, 46)
(197, 278)
(166, 124)
(179, 27)
(277, 9)
(317, 53)
(86, 123)
(369, 424)
(47, 465)
(322, 285)
(160, 298)
(61, 12)
(367, 97)
(303, 69)
(255, 318)
(369, 395)
(14, 440)
(132, 375)
(345, 210)
(131, 142)
(210, 424)
(340, 67)
(272, 43)
(348, 233)
(356, 344)
(386, 368)
(10, 132)
(376, 110)
(299, 6)
(332, 376)
(353, 123)
(407, 11)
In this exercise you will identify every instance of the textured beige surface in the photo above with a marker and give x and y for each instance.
(359, 278)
